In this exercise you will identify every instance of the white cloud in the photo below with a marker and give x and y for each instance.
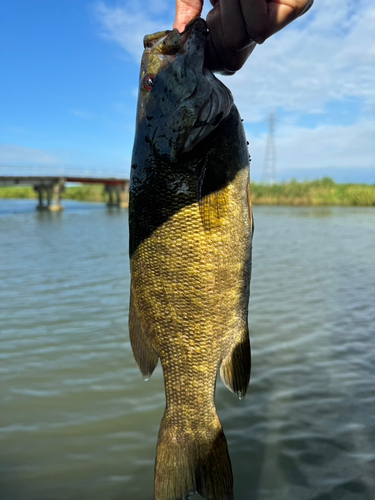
(127, 25)
(330, 59)
(81, 113)
(327, 146)
(11, 154)
(20, 160)
(327, 56)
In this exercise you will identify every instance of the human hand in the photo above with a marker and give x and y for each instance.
(236, 26)
(186, 10)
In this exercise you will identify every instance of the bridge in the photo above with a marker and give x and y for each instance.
(49, 181)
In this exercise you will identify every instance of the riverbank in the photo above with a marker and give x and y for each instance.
(310, 193)
(323, 192)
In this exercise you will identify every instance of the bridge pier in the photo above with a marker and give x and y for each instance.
(49, 187)
(125, 194)
(45, 192)
(43, 189)
(39, 190)
(58, 189)
(111, 190)
(118, 195)
(49, 190)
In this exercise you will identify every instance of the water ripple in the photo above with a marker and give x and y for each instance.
(76, 419)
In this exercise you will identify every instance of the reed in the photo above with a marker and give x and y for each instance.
(317, 192)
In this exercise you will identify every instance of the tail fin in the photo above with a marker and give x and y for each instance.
(192, 461)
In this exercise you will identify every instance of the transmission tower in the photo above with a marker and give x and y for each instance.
(269, 164)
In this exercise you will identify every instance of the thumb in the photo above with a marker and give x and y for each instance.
(186, 10)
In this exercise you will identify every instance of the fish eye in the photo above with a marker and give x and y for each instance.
(148, 82)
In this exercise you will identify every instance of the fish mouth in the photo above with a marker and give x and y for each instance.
(167, 44)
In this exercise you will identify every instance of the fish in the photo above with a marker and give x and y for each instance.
(190, 243)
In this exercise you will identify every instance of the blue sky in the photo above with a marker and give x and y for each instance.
(69, 78)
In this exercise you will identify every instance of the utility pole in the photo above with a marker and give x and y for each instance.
(269, 164)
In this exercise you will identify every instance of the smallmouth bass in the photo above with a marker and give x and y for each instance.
(191, 229)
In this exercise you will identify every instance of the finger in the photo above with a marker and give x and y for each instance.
(220, 57)
(230, 64)
(263, 18)
(283, 12)
(233, 25)
(307, 7)
(256, 17)
(186, 10)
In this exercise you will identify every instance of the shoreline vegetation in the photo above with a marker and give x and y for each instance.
(320, 192)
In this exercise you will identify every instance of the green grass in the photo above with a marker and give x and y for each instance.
(85, 192)
(319, 192)
(17, 192)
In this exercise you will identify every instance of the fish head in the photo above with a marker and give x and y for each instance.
(180, 101)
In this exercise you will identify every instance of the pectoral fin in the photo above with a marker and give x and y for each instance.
(144, 354)
(236, 366)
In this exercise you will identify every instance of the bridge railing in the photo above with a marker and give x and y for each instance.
(58, 170)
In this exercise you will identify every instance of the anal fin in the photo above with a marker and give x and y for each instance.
(144, 354)
(236, 366)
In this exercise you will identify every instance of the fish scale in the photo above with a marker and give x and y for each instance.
(190, 245)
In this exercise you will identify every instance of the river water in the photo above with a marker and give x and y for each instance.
(78, 422)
